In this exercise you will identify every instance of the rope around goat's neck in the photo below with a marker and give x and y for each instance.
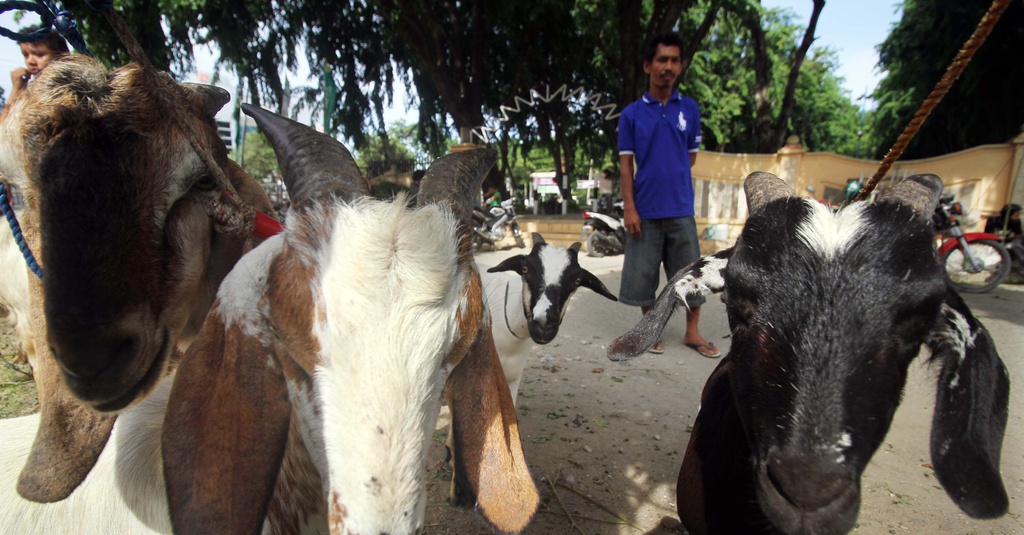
(955, 69)
(231, 215)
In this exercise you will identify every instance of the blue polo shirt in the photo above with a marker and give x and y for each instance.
(661, 137)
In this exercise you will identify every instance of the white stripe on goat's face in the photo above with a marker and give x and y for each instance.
(829, 233)
(546, 293)
(386, 300)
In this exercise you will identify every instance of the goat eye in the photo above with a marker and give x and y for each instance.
(205, 182)
(525, 270)
(579, 282)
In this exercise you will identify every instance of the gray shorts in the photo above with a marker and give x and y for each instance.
(670, 242)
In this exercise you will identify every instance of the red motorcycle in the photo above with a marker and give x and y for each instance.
(975, 262)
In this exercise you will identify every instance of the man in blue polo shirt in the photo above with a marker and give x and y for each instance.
(661, 134)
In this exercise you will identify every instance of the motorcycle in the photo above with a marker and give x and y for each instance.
(489, 227)
(974, 262)
(604, 234)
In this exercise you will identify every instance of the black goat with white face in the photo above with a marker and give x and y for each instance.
(827, 311)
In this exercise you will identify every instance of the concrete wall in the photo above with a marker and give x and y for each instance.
(981, 177)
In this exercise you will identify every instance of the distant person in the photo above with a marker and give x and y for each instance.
(414, 189)
(660, 133)
(604, 187)
(36, 55)
(492, 197)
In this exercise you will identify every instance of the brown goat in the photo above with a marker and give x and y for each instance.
(117, 213)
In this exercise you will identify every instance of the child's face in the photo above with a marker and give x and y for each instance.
(36, 55)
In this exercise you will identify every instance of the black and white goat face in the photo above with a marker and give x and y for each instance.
(827, 311)
(550, 276)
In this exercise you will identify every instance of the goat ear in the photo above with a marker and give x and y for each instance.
(489, 467)
(575, 247)
(225, 432)
(537, 239)
(512, 263)
(591, 281)
(702, 277)
(762, 188)
(313, 164)
(68, 442)
(970, 411)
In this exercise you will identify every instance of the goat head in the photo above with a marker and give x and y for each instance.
(116, 214)
(827, 310)
(335, 338)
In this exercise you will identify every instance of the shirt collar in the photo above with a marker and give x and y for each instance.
(648, 99)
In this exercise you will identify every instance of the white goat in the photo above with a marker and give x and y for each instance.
(14, 303)
(308, 401)
(528, 296)
(124, 493)
(311, 395)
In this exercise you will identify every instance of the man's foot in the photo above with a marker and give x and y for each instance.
(657, 349)
(706, 349)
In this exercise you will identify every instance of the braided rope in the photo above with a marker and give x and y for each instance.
(19, 238)
(956, 68)
(50, 16)
(230, 214)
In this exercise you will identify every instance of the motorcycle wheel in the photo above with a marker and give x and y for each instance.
(963, 278)
(594, 247)
(477, 242)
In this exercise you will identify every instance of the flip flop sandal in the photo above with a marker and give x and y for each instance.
(656, 350)
(706, 350)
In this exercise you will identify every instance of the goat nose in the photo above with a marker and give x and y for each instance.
(807, 481)
(87, 355)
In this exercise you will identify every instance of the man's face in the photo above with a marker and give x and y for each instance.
(665, 67)
(36, 55)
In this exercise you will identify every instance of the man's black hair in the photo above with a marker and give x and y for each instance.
(663, 38)
(52, 39)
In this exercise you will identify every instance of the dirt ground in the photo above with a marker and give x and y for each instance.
(604, 440)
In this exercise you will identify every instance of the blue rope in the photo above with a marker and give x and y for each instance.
(51, 17)
(5, 205)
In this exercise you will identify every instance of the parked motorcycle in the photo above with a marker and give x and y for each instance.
(605, 234)
(974, 262)
(489, 227)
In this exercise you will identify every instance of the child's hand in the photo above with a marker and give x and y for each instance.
(19, 78)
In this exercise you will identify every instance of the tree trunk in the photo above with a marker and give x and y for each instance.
(771, 133)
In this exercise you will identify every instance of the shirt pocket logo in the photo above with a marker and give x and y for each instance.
(682, 122)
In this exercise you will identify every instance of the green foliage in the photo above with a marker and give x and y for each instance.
(258, 157)
(983, 106)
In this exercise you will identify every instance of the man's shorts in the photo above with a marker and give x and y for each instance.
(670, 242)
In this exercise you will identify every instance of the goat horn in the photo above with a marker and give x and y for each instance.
(313, 164)
(762, 188)
(452, 179)
(920, 192)
(213, 97)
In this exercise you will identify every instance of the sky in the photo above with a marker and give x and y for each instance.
(853, 28)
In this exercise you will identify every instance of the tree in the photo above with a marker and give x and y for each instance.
(258, 158)
(983, 106)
